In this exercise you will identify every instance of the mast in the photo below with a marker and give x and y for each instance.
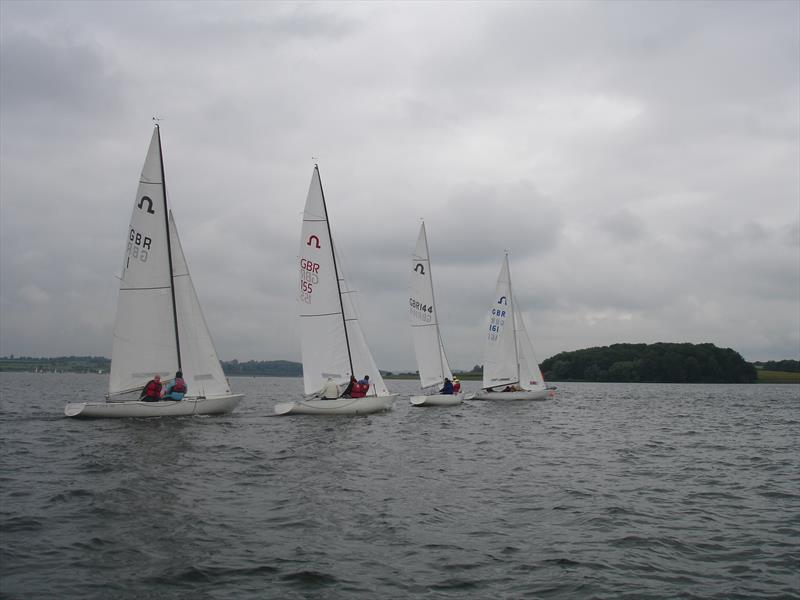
(169, 251)
(513, 317)
(433, 297)
(336, 272)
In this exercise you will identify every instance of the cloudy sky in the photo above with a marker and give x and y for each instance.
(640, 161)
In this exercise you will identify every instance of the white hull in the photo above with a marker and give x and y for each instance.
(437, 400)
(523, 395)
(165, 408)
(337, 406)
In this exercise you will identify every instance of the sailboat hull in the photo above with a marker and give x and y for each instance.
(437, 400)
(186, 407)
(523, 395)
(337, 406)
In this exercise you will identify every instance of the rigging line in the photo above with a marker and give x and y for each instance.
(169, 252)
(128, 289)
(335, 269)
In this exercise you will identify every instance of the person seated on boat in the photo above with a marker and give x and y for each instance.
(456, 385)
(513, 388)
(331, 390)
(349, 389)
(359, 390)
(177, 389)
(151, 392)
(447, 388)
(365, 382)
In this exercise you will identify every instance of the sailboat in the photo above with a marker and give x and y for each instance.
(160, 328)
(509, 360)
(332, 343)
(428, 345)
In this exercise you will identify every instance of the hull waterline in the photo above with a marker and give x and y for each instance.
(523, 395)
(437, 400)
(337, 406)
(165, 408)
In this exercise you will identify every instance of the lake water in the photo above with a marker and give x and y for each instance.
(608, 491)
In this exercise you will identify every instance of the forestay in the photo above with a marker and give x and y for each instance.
(144, 332)
(428, 346)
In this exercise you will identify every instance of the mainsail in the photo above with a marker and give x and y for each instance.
(331, 340)
(500, 366)
(160, 327)
(144, 333)
(428, 346)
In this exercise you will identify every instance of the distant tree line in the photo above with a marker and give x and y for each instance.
(652, 363)
(789, 366)
(72, 364)
(268, 368)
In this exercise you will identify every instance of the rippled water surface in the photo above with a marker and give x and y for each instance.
(607, 491)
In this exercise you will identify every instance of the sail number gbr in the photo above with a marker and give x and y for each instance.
(138, 246)
(309, 277)
(496, 322)
(420, 311)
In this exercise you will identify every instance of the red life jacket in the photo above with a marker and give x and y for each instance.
(358, 391)
(153, 389)
(179, 386)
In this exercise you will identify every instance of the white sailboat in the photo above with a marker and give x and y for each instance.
(159, 328)
(332, 344)
(428, 345)
(509, 360)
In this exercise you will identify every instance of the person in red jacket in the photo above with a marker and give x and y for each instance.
(151, 392)
(359, 390)
(456, 385)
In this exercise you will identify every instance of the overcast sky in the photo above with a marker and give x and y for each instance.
(639, 160)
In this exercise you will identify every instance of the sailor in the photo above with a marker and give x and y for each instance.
(331, 390)
(456, 385)
(447, 388)
(177, 389)
(151, 392)
(349, 389)
(359, 390)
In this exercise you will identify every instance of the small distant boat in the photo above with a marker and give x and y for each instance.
(160, 328)
(510, 369)
(332, 342)
(428, 345)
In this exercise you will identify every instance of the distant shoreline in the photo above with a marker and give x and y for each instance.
(282, 368)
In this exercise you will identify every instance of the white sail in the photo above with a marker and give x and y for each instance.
(530, 375)
(144, 332)
(363, 362)
(428, 346)
(325, 305)
(200, 365)
(500, 366)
